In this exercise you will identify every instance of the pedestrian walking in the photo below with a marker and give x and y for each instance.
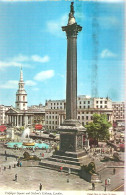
(114, 171)
(15, 177)
(106, 182)
(109, 181)
(93, 186)
(6, 158)
(69, 171)
(68, 180)
(40, 187)
(20, 164)
(61, 168)
(105, 187)
(5, 152)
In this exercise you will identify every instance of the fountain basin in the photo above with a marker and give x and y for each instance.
(27, 145)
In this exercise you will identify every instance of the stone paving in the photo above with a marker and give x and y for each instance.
(29, 177)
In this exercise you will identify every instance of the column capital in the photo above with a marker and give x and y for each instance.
(72, 30)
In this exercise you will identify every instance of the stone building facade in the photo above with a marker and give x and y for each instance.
(55, 112)
(118, 114)
(3, 117)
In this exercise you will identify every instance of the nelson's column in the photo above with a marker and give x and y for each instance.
(71, 131)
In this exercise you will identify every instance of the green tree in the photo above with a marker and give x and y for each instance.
(99, 128)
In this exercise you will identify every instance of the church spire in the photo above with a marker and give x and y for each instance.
(21, 74)
(21, 95)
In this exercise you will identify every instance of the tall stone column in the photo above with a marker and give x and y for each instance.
(71, 30)
(71, 131)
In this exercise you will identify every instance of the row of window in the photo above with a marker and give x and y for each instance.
(87, 118)
(57, 107)
(52, 122)
(57, 103)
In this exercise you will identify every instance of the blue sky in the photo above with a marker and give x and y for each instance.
(31, 36)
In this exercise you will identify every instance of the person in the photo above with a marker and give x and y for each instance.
(40, 187)
(43, 155)
(69, 171)
(109, 181)
(93, 186)
(15, 177)
(114, 170)
(6, 158)
(5, 152)
(61, 168)
(105, 187)
(106, 182)
(20, 164)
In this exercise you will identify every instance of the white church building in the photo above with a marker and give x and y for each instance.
(21, 115)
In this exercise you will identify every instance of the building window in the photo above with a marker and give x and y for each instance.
(82, 117)
(84, 102)
(88, 106)
(23, 98)
(97, 102)
(105, 102)
(105, 106)
(86, 117)
(80, 106)
(100, 102)
(84, 107)
(80, 102)
(78, 117)
(55, 117)
(83, 123)
(88, 102)
(100, 106)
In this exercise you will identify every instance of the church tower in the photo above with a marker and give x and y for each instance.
(21, 95)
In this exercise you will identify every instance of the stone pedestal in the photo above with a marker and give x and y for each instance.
(71, 139)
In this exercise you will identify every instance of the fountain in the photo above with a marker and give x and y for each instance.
(26, 142)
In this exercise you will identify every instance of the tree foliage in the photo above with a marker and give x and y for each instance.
(99, 128)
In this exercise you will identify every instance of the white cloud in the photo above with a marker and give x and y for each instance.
(41, 76)
(11, 84)
(20, 60)
(54, 26)
(30, 83)
(37, 58)
(107, 54)
(4, 64)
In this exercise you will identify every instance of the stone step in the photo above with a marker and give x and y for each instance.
(69, 158)
(64, 161)
(56, 166)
